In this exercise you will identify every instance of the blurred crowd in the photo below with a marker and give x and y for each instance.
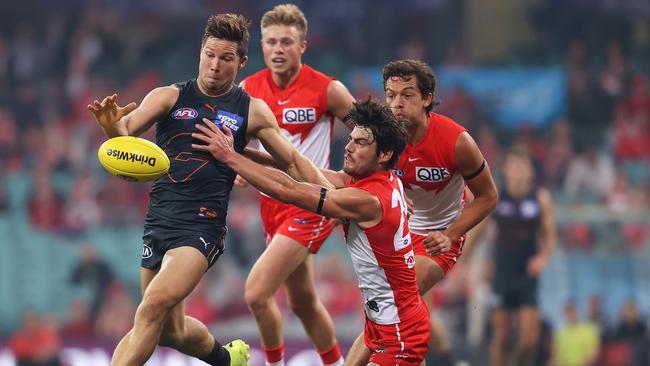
(596, 158)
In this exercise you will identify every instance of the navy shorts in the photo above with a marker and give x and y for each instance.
(158, 240)
(514, 297)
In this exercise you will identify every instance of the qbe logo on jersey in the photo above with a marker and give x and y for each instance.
(299, 115)
(431, 174)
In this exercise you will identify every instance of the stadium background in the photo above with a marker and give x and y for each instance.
(567, 78)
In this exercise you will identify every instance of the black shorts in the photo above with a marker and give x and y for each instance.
(514, 297)
(158, 240)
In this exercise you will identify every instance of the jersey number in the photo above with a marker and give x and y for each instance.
(401, 241)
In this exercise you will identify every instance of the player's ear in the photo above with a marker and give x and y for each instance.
(385, 156)
(427, 99)
(243, 62)
(303, 46)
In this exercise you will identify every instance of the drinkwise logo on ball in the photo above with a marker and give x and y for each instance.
(132, 157)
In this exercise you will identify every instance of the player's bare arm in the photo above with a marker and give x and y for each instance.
(547, 234)
(339, 101)
(337, 179)
(262, 124)
(131, 120)
(478, 178)
(473, 167)
(346, 203)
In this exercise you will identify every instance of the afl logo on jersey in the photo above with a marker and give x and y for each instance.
(299, 115)
(431, 174)
(185, 113)
(399, 172)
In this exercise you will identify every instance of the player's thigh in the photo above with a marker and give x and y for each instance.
(427, 273)
(300, 286)
(501, 322)
(279, 260)
(146, 276)
(528, 323)
(180, 272)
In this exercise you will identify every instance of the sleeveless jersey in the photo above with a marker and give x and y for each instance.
(428, 171)
(301, 110)
(382, 256)
(194, 194)
(518, 221)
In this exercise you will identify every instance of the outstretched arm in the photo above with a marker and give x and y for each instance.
(337, 179)
(129, 120)
(347, 203)
(262, 124)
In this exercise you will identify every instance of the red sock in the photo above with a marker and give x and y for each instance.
(331, 356)
(274, 354)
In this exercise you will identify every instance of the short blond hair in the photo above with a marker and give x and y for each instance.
(286, 14)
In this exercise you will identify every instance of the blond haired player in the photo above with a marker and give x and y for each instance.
(305, 103)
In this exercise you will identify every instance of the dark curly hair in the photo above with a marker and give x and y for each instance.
(387, 130)
(405, 69)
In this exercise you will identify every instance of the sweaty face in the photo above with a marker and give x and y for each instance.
(405, 99)
(218, 66)
(283, 48)
(360, 154)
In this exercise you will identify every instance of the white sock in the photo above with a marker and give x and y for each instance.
(338, 362)
(278, 363)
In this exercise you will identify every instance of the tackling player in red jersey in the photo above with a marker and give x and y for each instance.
(370, 197)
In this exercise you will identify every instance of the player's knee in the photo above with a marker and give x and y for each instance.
(155, 306)
(255, 299)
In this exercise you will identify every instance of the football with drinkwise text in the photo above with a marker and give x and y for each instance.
(133, 158)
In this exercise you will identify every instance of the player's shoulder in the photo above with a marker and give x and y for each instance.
(257, 105)
(257, 76)
(543, 195)
(375, 183)
(315, 73)
(446, 122)
(166, 95)
(311, 75)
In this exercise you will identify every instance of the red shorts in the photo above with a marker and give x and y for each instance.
(307, 228)
(447, 260)
(402, 344)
